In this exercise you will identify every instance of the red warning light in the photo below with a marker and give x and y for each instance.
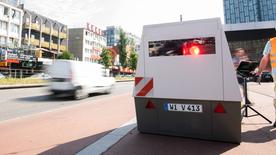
(219, 109)
(194, 50)
(150, 105)
(191, 48)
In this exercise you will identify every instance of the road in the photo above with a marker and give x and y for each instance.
(16, 103)
(32, 123)
(65, 129)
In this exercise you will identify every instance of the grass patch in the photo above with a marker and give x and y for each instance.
(14, 81)
(122, 78)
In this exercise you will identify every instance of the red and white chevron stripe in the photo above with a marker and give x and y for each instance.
(143, 86)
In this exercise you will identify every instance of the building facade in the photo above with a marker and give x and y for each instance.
(10, 26)
(10, 33)
(45, 36)
(244, 11)
(87, 43)
(250, 36)
(136, 41)
(12, 2)
(112, 34)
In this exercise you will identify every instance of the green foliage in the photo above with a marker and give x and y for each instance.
(123, 41)
(133, 58)
(106, 58)
(131, 41)
(66, 55)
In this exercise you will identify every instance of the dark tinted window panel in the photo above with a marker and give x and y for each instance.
(195, 46)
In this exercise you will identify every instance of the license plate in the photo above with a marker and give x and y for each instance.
(197, 108)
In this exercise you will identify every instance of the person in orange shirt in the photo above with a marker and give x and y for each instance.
(269, 57)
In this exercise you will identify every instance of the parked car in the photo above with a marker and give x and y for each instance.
(42, 76)
(79, 79)
(2, 76)
(265, 77)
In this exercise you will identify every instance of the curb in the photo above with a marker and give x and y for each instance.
(22, 86)
(124, 80)
(106, 142)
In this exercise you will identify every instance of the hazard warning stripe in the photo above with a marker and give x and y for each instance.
(138, 80)
(147, 88)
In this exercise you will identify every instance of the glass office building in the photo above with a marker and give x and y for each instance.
(244, 11)
(112, 34)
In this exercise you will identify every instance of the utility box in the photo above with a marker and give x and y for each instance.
(185, 82)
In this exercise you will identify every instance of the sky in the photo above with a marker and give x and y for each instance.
(131, 15)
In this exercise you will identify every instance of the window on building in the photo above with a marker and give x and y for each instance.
(2, 40)
(10, 40)
(246, 19)
(242, 18)
(27, 20)
(12, 13)
(1, 10)
(26, 36)
(6, 11)
(16, 15)
(3, 25)
(14, 28)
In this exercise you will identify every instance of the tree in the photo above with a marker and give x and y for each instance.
(133, 59)
(106, 58)
(66, 55)
(123, 41)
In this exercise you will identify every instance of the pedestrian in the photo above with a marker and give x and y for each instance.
(239, 55)
(269, 57)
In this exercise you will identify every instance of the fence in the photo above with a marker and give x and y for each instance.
(19, 73)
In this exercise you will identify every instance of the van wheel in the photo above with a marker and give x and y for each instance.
(109, 90)
(80, 94)
(53, 96)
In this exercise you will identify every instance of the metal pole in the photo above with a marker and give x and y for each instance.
(245, 95)
(10, 70)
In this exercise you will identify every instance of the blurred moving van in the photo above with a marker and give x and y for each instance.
(79, 79)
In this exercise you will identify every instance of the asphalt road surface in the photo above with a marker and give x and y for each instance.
(17, 103)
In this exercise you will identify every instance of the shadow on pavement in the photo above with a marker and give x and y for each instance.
(73, 147)
(42, 98)
(47, 98)
(136, 143)
(261, 135)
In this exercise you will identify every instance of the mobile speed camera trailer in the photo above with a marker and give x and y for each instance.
(185, 82)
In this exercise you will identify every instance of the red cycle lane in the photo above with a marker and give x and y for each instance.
(66, 130)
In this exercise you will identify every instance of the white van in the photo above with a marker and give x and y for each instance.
(79, 79)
